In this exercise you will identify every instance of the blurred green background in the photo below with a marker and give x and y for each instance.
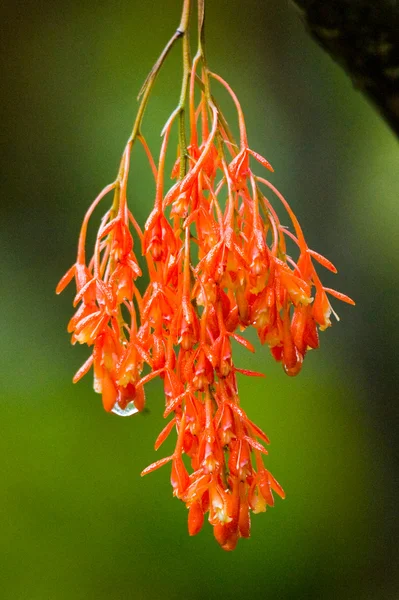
(77, 521)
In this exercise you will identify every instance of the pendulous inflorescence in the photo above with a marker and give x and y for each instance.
(217, 261)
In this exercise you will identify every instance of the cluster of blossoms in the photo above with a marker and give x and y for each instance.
(217, 261)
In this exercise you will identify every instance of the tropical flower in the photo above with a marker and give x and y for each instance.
(218, 264)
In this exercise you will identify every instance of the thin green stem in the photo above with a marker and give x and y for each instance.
(201, 48)
(184, 88)
(205, 72)
(201, 27)
(149, 83)
(144, 95)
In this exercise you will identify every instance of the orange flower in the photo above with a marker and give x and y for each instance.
(217, 261)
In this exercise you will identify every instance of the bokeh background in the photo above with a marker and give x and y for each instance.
(77, 521)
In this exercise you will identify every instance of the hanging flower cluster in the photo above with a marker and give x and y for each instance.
(217, 259)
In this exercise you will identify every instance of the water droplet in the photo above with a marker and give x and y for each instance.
(125, 412)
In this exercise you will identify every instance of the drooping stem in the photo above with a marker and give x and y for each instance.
(146, 89)
(201, 48)
(145, 92)
(201, 27)
(184, 88)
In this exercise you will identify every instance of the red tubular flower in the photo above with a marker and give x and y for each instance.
(217, 260)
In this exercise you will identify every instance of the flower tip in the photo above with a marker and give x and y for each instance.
(340, 296)
(156, 465)
(195, 518)
(65, 280)
(249, 373)
(322, 260)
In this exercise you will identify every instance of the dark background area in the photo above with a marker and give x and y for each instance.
(77, 521)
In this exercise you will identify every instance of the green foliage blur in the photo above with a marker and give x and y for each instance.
(77, 521)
